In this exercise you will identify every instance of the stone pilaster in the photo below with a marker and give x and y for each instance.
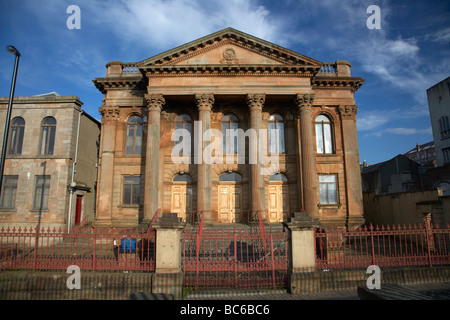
(351, 162)
(155, 102)
(204, 103)
(309, 177)
(110, 115)
(255, 103)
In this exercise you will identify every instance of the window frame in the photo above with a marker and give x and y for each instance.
(135, 127)
(45, 185)
(282, 134)
(137, 192)
(48, 132)
(323, 143)
(16, 137)
(327, 183)
(444, 126)
(180, 120)
(11, 186)
(225, 147)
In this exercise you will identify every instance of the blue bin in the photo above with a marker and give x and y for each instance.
(128, 245)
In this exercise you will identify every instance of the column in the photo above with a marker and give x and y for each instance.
(204, 103)
(106, 170)
(155, 102)
(255, 103)
(351, 162)
(309, 176)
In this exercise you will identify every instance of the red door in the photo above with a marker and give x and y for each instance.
(78, 207)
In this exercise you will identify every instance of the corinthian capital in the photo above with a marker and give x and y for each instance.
(348, 112)
(204, 101)
(256, 101)
(109, 112)
(304, 101)
(155, 102)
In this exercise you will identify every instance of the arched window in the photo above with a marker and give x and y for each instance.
(182, 177)
(183, 121)
(276, 133)
(48, 136)
(230, 123)
(134, 136)
(230, 176)
(16, 136)
(278, 177)
(324, 142)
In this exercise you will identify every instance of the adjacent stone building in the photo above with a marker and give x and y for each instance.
(52, 152)
(223, 88)
(439, 106)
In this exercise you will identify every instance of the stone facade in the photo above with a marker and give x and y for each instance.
(439, 106)
(30, 200)
(232, 79)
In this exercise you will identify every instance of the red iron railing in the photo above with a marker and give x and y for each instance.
(100, 249)
(395, 246)
(218, 258)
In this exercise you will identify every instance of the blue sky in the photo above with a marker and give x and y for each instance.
(409, 54)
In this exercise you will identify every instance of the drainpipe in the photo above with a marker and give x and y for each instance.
(73, 184)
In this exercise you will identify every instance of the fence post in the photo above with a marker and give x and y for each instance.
(373, 249)
(235, 258)
(429, 235)
(302, 253)
(168, 277)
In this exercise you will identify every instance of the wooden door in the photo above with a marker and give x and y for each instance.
(230, 203)
(278, 202)
(181, 202)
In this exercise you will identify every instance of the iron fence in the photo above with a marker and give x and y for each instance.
(218, 258)
(393, 246)
(99, 249)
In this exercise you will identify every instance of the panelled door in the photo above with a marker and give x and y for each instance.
(230, 203)
(182, 200)
(278, 201)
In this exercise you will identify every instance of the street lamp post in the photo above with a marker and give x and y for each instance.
(15, 52)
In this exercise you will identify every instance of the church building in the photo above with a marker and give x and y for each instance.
(231, 128)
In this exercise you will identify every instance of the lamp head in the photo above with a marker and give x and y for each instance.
(13, 51)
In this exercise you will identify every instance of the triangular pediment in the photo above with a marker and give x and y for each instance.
(229, 47)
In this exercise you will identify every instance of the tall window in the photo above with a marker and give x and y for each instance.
(230, 139)
(328, 189)
(276, 133)
(446, 153)
(9, 188)
(183, 121)
(48, 136)
(131, 190)
(445, 127)
(16, 137)
(324, 142)
(41, 192)
(134, 135)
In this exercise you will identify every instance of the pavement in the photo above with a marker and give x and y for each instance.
(425, 291)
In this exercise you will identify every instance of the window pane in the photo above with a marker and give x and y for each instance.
(8, 197)
(131, 190)
(327, 138)
(230, 176)
(319, 138)
(280, 137)
(332, 194)
(41, 193)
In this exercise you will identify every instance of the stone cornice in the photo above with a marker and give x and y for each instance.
(349, 83)
(127, 82)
